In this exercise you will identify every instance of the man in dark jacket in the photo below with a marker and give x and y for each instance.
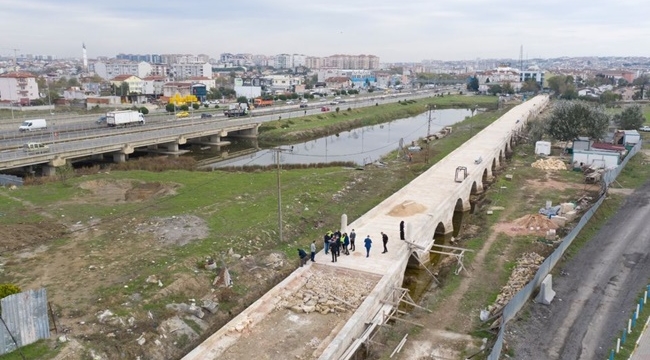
(384, 239)
(303, 257)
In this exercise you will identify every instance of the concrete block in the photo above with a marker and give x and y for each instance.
(508, 177)
(570, 215)
(559, 220)
(546, 293)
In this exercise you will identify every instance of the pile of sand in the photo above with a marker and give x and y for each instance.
(407, 208)
(549, 164)
(535, 222)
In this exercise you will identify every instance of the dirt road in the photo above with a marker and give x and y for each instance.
(596, 291)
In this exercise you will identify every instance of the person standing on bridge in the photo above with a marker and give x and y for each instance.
(303, 257)
(312, 247)
(326, 241)
(353, 236)
(334, 248)
(368, 244)
(384, 239)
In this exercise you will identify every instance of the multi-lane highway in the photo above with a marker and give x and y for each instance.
(81, 134)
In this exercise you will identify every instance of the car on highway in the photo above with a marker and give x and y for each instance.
(101, 120)
(302, 106)
(644, 128)
(206, 116)
(182, 114)
(289, 102)
(324, 109)
(334, 102)
(35, 148)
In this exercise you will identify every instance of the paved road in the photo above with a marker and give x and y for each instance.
(596, 291)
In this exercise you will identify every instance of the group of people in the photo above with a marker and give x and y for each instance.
(335, 242)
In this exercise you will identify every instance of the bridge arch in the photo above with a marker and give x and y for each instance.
(484, 178)
(494, 165)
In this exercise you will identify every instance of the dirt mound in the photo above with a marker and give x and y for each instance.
(407, 208)
(125, 190)
(535, 222)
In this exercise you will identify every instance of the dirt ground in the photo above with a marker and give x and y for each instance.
(444, 335)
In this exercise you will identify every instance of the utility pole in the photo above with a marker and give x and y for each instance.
(426, 155)
(277, 152)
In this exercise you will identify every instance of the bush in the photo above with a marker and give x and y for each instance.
(184, 107)
(8, 289)
(349, 109)
(205, 105)
(144, 110)
(195, 106)
(216, 106)
(169, 107)
(338, 109)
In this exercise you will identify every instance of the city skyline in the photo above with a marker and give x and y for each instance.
(395, 32)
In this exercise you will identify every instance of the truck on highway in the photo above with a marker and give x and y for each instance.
(240, 109)
(124, 118)
(31, 125)
(261, 102)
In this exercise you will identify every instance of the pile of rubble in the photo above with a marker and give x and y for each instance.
(535, 222)
(525, 270)
(328, 292)
(549, 164)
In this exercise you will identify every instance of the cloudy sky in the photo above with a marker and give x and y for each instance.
(406, 30)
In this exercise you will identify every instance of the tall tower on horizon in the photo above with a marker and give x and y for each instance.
(85, 57)
(521, 58)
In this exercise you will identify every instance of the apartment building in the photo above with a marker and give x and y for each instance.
(18, 87)
(111, 69)
(186, 71)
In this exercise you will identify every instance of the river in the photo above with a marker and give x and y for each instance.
(360, 146)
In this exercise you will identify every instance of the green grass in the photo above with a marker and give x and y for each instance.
(314, 126)
(42, 350)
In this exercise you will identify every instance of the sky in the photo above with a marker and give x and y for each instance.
(396, 31)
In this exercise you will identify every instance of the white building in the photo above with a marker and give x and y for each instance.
(153, 85)
(109, 70)
(532, 73)
(282, 83)
(283, 61)
(18, 87)
(185, 71)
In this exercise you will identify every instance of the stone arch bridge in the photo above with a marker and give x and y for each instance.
(428, 207)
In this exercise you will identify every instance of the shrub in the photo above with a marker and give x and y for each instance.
(8, 289)
(216, 106)
(195, 106)
(184, 107)
(169, 107)
(144, 110)
(338, 109)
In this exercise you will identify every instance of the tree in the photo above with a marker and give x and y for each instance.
(73, 82)
(170, 107)
(622, 82)
(242, 99)
(642, 82)
(507, 88)
(124, 89)
(143, 110)
(530, 85)
(571, 119)
(609, 97)
(472, 84)
(630, 118)
(495, 89)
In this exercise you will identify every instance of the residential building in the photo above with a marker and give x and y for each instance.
(18, 87)
(136, 85)
(338, 82)
(153, 85)
(352, 61)
(109, 70)
(282, 83)
(159, 69)
(185, 59)
(172, 88)
(283, 61)
(74, 93)
(186, 71)
(533, 73)
(208, 82)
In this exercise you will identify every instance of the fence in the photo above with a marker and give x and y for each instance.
(8, 180)
(631, 324)
(521, 298)
(25, 319)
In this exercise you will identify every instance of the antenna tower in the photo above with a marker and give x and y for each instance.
(521, 58)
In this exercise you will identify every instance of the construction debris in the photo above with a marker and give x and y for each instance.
(549, 164)
(535, 222)
(525, 270)
(326, 294)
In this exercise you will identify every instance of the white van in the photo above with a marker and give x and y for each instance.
(30, 125)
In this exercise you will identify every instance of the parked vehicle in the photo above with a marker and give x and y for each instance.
(324, 109)
(31, 125)
(290, 102)
(205, 116)
(124, 118)
(36, 148)
(240, 109)
(182, 114)
(261, 102)
(304, 106)
(644, 128)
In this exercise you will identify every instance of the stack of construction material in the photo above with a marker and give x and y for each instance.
(326, 293)
(525, 270)
(549, 164)
(535, 222)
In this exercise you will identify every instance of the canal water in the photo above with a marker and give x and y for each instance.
(360, 146)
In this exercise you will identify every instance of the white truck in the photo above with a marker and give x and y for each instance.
(31, 125)
(124, 118)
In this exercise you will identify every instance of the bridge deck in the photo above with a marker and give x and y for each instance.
(427, 201)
